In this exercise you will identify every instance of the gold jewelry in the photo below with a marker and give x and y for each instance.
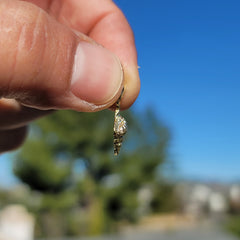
(119, 128)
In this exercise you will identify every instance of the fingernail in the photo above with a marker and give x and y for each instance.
(97, 74)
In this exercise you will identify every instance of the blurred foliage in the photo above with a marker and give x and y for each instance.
(80, 188)
(233, 225)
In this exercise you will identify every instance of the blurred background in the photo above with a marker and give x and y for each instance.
(177, 176)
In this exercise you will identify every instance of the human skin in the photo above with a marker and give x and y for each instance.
(62, 54)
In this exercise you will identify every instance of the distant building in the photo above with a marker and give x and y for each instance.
(234, 197)
(217, 203)
(16, 223)
(203, 199)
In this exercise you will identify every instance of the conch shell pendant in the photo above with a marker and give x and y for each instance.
(119, 128)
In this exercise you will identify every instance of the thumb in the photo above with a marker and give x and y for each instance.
(46, 66)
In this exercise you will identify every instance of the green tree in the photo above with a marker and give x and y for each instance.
(69, 160)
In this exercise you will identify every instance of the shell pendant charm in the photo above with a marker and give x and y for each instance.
(119, 128)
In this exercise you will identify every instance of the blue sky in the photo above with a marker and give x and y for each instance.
(189, 54)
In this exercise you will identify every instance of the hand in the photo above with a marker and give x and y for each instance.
(52, 58)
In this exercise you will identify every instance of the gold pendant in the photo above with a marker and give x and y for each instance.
(119, 128)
